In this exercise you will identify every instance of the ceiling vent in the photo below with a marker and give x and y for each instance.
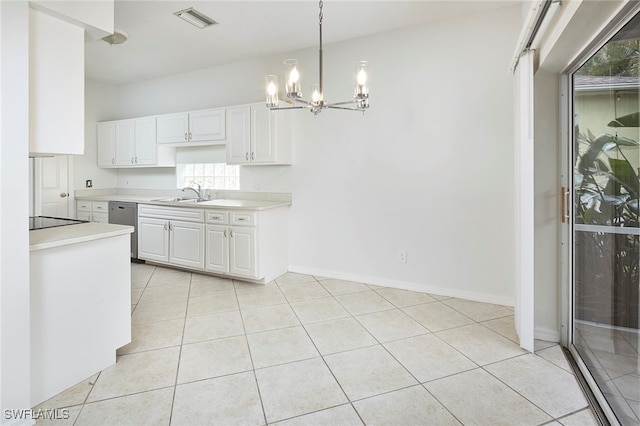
(196, 18)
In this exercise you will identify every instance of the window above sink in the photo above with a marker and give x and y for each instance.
(206, 167)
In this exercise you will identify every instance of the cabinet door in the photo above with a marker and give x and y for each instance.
(242, 252)
(263, 141)
(83, 215)
(186, 244)
(173, 128)
(238, 135)
(100, 217)
(208, 125)
(125, 143)
(107, 144)
(153, 239)
(217, 249)
(146, 151)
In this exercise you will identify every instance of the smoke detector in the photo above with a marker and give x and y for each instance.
(118, 37)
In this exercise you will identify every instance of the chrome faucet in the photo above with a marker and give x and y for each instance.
(197, 191)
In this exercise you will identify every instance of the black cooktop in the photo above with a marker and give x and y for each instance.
(41, 222)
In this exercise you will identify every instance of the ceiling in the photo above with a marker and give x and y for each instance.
(161, 44)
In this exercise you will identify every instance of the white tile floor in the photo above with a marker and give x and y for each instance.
(313, 351)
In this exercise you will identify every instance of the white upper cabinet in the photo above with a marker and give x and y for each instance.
(125, 143)
(206, 127)
(238, 135)
(132, 143)
(146, 150)
(56, 86)
(173, 128)
(107, 144)
(257, 135)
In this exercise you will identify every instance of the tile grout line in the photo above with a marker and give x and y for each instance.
(184, 326)
(253, 366)
(322, 356)
(324, 361)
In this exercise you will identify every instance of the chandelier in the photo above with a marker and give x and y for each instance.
(360, 101)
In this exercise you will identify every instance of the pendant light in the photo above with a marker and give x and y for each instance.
(360, 101)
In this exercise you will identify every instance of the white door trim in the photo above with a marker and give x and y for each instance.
(524, 177)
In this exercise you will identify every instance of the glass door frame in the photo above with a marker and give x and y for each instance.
(567, 196)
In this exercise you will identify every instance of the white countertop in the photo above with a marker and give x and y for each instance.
(41, 239)
(227, 203)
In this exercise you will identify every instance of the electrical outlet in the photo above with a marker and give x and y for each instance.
(402, 256)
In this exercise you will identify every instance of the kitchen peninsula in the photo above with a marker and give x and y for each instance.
(80, 283)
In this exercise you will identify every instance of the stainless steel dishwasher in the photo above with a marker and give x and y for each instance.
(124, 213)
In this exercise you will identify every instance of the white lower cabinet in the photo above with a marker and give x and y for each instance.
(153, 239)
(165, 236)
(242, 252)
(186, 244)
(217, 249)
(93, 211)
(232, 249)
(250, 245)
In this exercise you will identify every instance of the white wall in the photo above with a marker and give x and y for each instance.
(100, 105)
(14, 208)
(428, 169)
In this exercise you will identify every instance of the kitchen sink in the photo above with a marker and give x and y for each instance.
(176, 200)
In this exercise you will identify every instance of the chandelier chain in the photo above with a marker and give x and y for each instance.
(320, 15)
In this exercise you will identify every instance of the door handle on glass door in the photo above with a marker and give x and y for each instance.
(563, 206)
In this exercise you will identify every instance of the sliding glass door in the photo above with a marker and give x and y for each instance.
(606, 228)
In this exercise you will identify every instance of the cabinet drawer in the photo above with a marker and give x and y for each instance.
(101, 206)
(171, 213)
(242, 218)
(216, 216)
(83, 206)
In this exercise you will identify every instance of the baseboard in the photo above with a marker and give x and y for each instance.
(406, 285)
(546, 334)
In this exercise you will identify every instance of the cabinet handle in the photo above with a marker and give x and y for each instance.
(185, 136)
(246, 156)
(113, 160)
(170, 226)
(241, 219)
(225, 233)
(136, 158)
(253, 156)
(189, 135)
(166, 226)
(131, 160)
(231, 232)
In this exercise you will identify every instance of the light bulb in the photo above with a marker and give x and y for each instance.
(316, 96)
(362, 77)
(362, 88)
(271, 82)
(294, 76)
(293, 79)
